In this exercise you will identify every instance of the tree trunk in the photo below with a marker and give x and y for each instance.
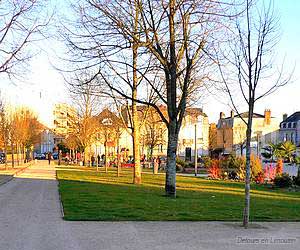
(18, 153)
(170, 187)
(136, 147)
(12, 156)
(5, 152)
(118, 157)
(137, 178)
(106, 154)
(151, 151)
(248, 168)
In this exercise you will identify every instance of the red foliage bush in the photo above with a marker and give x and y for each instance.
(214, 171)
(260, 178)
(270, 172)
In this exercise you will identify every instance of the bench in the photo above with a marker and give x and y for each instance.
(127, 165)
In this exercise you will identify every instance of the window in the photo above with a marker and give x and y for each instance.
(289, 125)
(283, 125)
(294, 124)
(292, 137)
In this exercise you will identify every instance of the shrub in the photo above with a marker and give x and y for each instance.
(270, 172)
(214, 171)
(180, 165)
(260, 178)
(233, 162)
(179, 168)
(206, 161)
(283, 180)
(181, 162)
(279, 166)
(233, 175)
(255, 165)
(297, 180)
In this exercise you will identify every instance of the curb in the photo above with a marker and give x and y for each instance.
(21, 170)
(60, 202)
(10, 177)
(6, 179)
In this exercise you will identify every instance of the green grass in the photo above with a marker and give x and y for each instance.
(90, 195)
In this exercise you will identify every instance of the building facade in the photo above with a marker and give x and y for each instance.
(231, 132)
(47, 142)
(194, 133)
(290, 128)
(154, 133)
(64, 116)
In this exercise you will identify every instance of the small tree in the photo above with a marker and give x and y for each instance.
(250, 59)
(4, 129)
(153, 131)
(110, 129)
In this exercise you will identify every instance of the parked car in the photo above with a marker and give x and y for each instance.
(55, 155)
(2, 158)
(40, 157)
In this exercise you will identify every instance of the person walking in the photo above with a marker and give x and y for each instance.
(155, 165)
(98, 160)
(49, 157)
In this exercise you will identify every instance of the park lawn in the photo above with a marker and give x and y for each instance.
(90, 195)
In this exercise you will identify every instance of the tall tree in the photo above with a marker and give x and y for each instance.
(171, 40)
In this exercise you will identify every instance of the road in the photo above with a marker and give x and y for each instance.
(30, 219)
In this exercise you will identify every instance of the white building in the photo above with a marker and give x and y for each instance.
(47, 142)
(195, 125)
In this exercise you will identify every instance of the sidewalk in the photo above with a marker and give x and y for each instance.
(31, 219)
(13, 171)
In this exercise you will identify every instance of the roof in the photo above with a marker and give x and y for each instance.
(195, 111)
(229, 120)
(245, 115)
(293, 118)
(107, 114)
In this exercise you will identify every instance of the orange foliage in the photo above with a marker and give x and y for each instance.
(279, 166)
(214, 170)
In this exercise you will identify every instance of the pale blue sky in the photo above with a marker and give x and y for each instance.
(44, 86)
(287, 98)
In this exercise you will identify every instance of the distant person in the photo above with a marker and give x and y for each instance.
(99, 159)
(158, 162)
(155, 165)
(49, 157)
(59, 157)
(93, 160)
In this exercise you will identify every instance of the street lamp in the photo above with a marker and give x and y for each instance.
(196, 150)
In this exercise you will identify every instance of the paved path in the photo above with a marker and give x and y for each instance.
(30, 219)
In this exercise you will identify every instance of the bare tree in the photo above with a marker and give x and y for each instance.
(170, 38)
(251, 59)
(4, 129)
(21, 23)
(84, 123)
(110, 129)
(72, 142)
(153, 130)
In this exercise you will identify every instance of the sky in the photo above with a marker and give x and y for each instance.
(43, 85)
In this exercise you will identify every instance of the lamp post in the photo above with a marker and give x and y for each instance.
(196, 150)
